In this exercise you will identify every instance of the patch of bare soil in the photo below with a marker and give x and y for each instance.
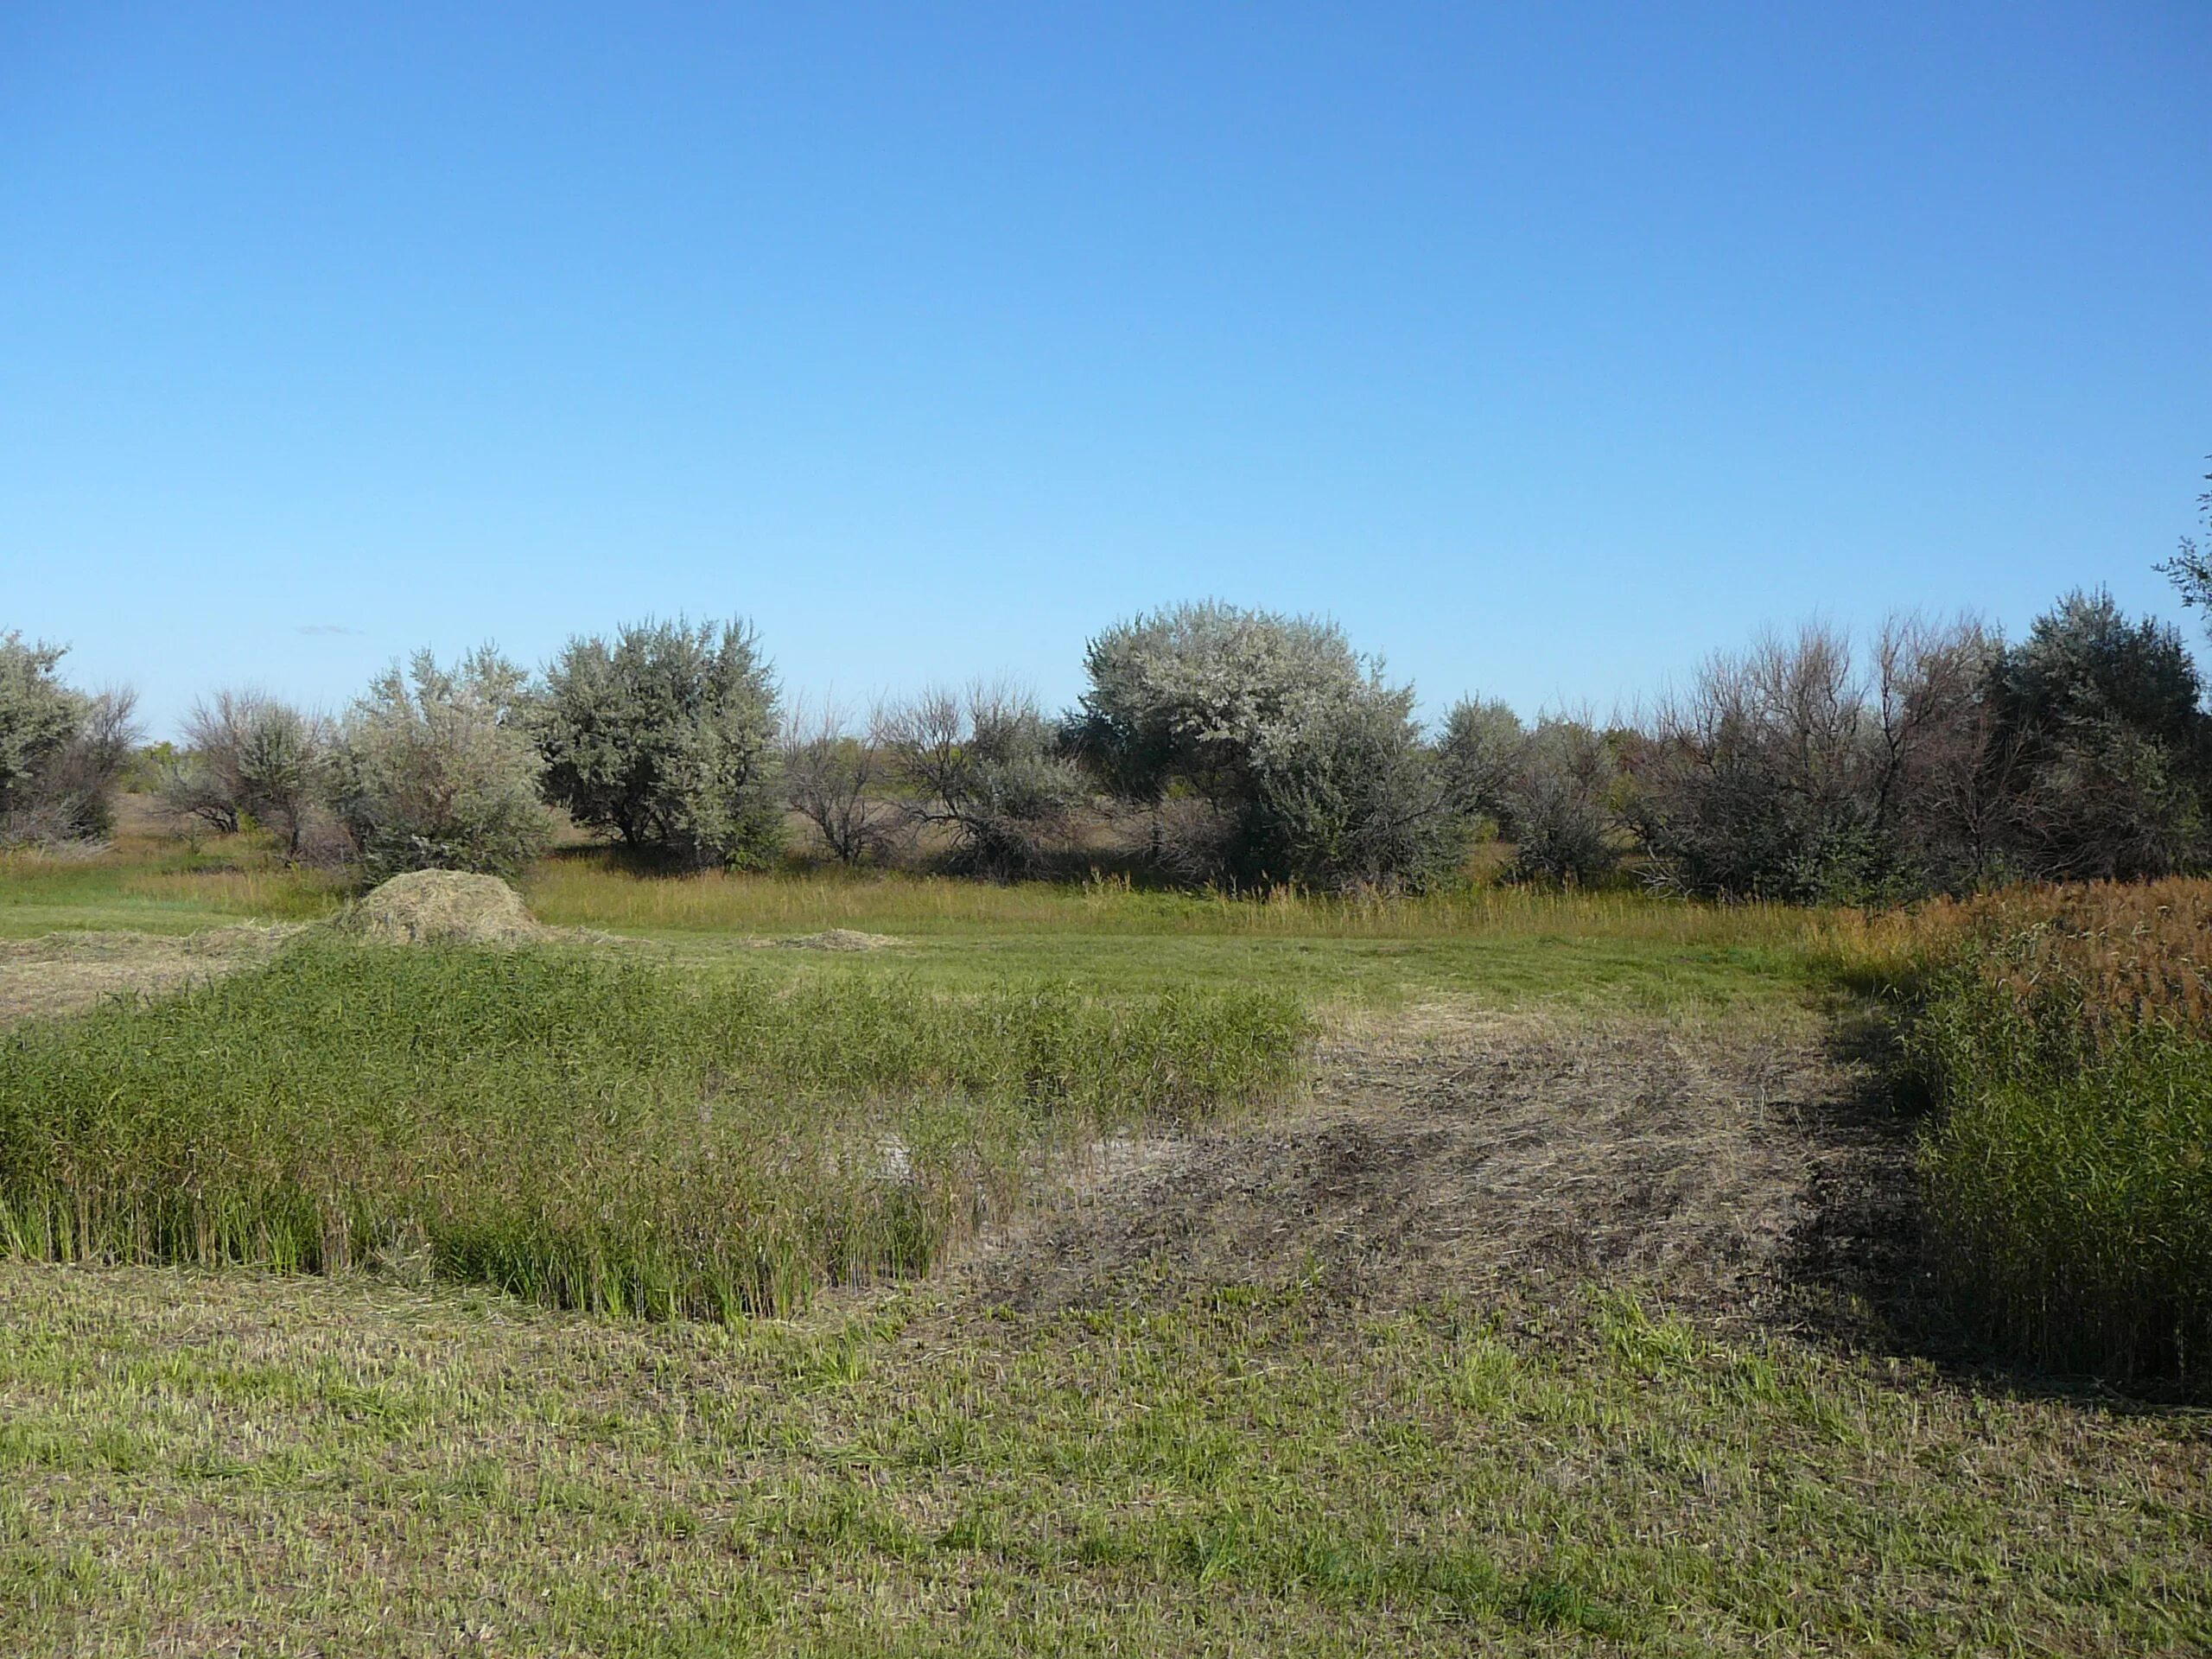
(1450, 1154)
(64, 973)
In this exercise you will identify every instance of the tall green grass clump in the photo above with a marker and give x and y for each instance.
(592, 1131)
(2066, 1038)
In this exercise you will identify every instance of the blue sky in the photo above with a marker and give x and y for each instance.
(1545, 347)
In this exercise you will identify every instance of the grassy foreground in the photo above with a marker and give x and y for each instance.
(231, 1465)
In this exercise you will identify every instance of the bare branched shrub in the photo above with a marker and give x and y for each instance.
(438, 768)
(1943, 760)
(834, 770)
(981, 767)
(249, 756)
(1763, 780)
(1948, 779)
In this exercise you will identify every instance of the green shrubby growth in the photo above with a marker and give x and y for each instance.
(1563, 805)
(666, 737)
(61, 750)
(2097, 724)
(38, 715)
(1353, 799)
(1553, 790)
(438, 768)
(1294, 760)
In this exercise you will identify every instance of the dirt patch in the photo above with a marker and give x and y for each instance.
(64, 973)
(442, 907)
(1450, 1154)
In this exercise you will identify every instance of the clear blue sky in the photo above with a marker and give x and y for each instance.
(1544, 346)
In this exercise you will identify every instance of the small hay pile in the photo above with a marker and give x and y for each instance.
(837, 938)
(442, 907)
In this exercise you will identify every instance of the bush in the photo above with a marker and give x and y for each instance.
(980, 768)
(600, 1133)
(1551, 791)
(1561, 806)
(1800, 771)
(666, 737)
(2066, 1036)
(249, 756)
(61, 750)
(2097, 720)
(831, 774)
(438, 768)
(1352, 799)
(1309, 766)
(1480, 754)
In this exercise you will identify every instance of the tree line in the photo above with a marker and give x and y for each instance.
(1216, 746)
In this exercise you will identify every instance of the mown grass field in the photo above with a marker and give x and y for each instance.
(1504, 945)
(1187, 1454)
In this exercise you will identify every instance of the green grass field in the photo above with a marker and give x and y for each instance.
(1187, 1454)
(1503, 945)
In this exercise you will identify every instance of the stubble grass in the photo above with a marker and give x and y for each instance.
(233, 1464)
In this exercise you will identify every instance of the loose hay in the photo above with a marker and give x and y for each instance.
(835, 938)
(63, 973)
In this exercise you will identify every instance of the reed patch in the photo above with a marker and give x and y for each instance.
(2065, 1036)
(590, 1130)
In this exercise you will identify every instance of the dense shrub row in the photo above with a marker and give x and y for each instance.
(597, 1132)
(2066, 1036)
(1228, 747)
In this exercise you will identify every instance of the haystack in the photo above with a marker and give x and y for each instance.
(443, 907)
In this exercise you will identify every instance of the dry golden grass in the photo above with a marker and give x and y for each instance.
(596, 890)
(2121, 957)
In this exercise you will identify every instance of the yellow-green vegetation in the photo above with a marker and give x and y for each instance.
(2066, 1035)
(1508, 946)
(150, 885)
(224, 1465)
(587, 1131)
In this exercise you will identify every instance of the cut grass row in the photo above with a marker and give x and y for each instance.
(587, 1129)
